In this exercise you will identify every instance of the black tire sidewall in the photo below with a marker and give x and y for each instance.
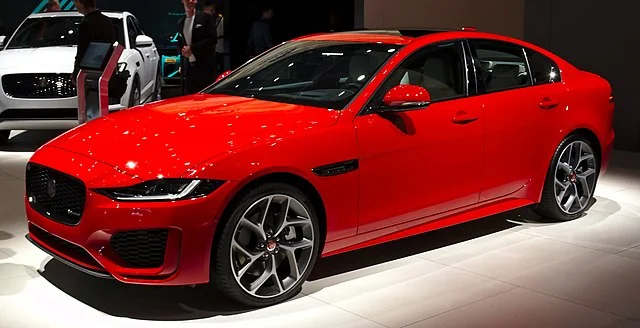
(548, 206)
(134, 87)
(222, 274)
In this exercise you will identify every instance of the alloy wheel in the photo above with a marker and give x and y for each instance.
(272, 246)
(575, 177)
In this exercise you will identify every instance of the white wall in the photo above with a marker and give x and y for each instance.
(496, 16)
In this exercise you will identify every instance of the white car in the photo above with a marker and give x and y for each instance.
(36, 92)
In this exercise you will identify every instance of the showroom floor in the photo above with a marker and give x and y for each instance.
(502, 271)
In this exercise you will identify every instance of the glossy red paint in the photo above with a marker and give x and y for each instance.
(402, 94)
(419, 170)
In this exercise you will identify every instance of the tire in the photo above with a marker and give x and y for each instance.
(157, 91)
(135, 93)
(570, 175)
(229, 260)
(4, 136)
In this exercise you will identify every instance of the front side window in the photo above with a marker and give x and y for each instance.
(500, 65)
(440, 69)
(324, 74)
(543, 69)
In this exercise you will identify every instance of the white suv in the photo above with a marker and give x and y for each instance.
(36, 65)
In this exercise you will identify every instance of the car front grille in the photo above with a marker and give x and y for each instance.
(54, 194)
(141, 248)
(38, 86)
(13, 114)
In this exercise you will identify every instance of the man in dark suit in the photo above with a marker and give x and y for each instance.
(95, 27)
(196, 41)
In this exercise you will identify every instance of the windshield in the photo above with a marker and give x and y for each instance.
(58, 31)
(323, 74)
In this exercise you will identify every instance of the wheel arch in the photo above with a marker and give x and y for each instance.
(593, 139)
(295, 180)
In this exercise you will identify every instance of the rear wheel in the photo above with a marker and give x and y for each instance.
(4, 136)
(571, 180)
(268, 246)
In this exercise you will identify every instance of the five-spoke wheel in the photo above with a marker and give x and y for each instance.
(268, 246)
(571, 180)
(575, 177)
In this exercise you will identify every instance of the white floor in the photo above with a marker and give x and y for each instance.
(503, 271)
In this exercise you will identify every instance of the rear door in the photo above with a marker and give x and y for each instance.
(519, 109)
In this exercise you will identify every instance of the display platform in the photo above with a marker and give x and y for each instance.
(502, 271)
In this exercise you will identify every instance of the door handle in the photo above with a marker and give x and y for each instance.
(464, 118)
(548, 103)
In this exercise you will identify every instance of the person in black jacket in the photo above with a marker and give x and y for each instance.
(196, 41)
(95, 27)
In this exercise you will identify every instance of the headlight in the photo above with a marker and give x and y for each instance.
(163, 190)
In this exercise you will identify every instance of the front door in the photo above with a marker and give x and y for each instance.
(426, 161)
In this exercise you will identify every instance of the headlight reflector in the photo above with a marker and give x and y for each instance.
(163, 190)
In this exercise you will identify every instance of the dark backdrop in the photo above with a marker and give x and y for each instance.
(292, 18)
(599, 37)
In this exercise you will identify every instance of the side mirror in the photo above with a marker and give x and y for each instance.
(404, 97)
(2, 38)
(223, 75)
(143, 41)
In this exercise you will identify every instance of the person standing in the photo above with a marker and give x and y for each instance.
(211, 7)
(52, 6)
(196, 41)
(95, 27)
(260, 39)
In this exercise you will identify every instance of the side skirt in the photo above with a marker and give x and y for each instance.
(419, 227)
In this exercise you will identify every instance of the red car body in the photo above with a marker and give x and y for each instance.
(433, 174)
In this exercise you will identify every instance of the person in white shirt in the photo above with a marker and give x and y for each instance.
(211, 7)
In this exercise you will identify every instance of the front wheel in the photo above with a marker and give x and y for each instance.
(268, 246)
(571, 180)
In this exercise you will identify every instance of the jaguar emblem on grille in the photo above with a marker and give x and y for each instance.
(43, 82)
(51, 188)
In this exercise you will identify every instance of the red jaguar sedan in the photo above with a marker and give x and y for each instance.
(325, 144)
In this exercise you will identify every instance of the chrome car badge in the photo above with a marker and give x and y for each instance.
(43, 82)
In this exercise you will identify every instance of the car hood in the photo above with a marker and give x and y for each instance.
(38, 60)
(168, 138)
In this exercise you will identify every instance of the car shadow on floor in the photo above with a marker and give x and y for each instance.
(29, 141)
(200, 302)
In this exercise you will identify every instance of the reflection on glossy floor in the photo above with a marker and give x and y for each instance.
(503, 271)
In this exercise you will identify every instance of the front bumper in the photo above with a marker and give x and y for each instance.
(188, 229)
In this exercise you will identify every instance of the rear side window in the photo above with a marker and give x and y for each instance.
(500, 65)
(543, 69)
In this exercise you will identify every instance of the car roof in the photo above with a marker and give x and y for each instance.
(388, 36)
(404, 36)
(407, 36)
(111, 14)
